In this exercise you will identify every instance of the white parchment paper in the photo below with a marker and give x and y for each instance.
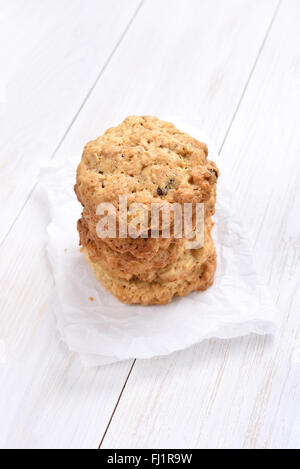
(104, 330)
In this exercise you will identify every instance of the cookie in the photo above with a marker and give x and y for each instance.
(149, 162)
(149, 293)
(174, 262)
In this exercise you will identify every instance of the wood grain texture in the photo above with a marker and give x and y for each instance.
(243, 393)
(52, 54)
(48, 399)
(192, 59)
(184, 59)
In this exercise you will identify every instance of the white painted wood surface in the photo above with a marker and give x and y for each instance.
(52, 54)
(233, 65)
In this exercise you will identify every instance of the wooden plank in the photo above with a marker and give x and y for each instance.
(48, 399)
(244, 393)
(54, 52)
(190, 62)
(148, 73)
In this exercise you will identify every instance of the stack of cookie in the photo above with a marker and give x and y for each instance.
(148, 162)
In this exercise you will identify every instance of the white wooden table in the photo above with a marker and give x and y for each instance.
(70, 69)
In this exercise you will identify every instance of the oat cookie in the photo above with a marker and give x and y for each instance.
(169, 264)
(145, 293)
(150, 162)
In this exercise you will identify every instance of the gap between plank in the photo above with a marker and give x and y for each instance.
(221, 147)
(250, 74)
(76, 116)
(117, 403)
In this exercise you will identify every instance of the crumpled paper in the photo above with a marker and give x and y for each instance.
(93, 323)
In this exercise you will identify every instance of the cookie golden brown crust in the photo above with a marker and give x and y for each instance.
(151, 162)
(146, 159)
(170, 264)
(145, 293)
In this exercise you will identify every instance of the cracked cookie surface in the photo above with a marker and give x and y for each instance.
(151, 162)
